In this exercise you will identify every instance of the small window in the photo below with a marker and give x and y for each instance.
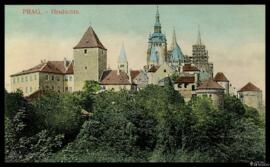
(193, 87)
(164, 70)
(85, 51)
(18, 79)
(66, 78)
(70, 78)
(26, 89)
(52, 87)
(57, 78)
(52, 77)
(30, 77)
(66, 89)
(30, 89)
(121, 65)
(47, 77)
(22, 79)
(85, 67)
(70, 89)
(185, 85)
(210, 95)
(13, 80)
(26, 78)
(35, 77)
(179, 86)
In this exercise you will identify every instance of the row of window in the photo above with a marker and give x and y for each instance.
(57, 78)
(29, 89)
(67, 89)
(26, 78)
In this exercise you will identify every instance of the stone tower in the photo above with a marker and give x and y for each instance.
(200, 56)
(122, 60)
(212, 89)
(90, 59)
(157, 41)
(221, 79)
(251, 96)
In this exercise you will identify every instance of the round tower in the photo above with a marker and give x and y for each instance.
(212, 89)
(221, 79)
(251, 96)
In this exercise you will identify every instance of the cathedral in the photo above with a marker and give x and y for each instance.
(192, 75)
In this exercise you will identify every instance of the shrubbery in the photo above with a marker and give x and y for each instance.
(152, 125)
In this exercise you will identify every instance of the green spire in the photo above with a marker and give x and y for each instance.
(157, 27)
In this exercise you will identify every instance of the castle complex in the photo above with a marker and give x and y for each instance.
(191, 75)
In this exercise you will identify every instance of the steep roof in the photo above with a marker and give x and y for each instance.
(249, 87)
(209, 84)
(220, 77)
(134, 74)
(56, 67)
(189, 67)
(90, 40)
(122, 56)
(110, 77)
(185, 79)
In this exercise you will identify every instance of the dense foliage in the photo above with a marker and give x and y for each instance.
(152, 125)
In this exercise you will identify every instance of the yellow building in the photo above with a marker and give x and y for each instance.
(48, 75)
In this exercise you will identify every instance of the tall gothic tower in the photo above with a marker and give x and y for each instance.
(157, 45)
(200, 56)
(122, 60)
(90, 59)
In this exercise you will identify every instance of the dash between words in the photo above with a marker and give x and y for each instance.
(38, 11)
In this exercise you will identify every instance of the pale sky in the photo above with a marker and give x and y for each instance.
(233, 34)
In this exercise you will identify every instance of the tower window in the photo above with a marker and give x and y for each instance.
(85, 51)
(193, 87)
(165, 70)
(85, 67)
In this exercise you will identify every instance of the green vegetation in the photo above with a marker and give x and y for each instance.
(152, 125)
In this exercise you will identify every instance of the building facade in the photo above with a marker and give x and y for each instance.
(90, 59)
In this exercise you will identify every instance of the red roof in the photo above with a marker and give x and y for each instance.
(110, 77)
(89, 40)
(249, 87)
(185, 79)
(210, 84)
(56, 67)
(188, 67)
(220, 77)
(134, 74)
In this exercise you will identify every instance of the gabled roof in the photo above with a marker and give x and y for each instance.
(210, 84)
(110, 77)
(134, 74)
(249, 87)
(185, 79)
(89, 40)
(189, 67)
(56, 67)
(220, 77)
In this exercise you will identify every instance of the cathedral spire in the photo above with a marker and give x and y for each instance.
(174, 42)
(157, 27)
(122, 55)
(122, 61)
(199, 40)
